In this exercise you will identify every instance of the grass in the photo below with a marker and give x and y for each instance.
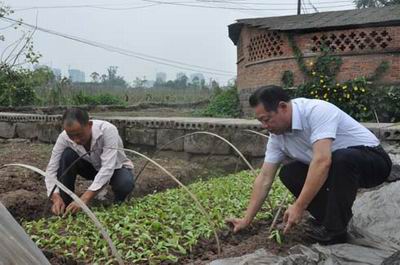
(127, 96)
(155, 228)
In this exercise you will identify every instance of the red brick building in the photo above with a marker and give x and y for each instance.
(364, 38)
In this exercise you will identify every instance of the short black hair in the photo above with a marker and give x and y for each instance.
(72, 115)
(269, 96)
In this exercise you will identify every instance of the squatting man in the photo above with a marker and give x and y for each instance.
(325, 155)
(103, 164)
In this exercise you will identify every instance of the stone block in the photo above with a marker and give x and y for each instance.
(390, 133)
(49, 132)
(376, 128)
(166, 135)
(27, 130)
(7, 130)
(250, 144)
(206, 144)
(140, 136)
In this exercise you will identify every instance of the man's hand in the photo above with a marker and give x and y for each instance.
(238, 223)
(292, 217)
(58, 204)
(72, 208)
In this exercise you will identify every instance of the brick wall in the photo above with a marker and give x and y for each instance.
(264, 55)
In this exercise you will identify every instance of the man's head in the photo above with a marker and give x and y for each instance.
(272, 108)
(77, 125)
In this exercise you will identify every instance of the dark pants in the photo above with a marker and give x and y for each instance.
(351, 168)
(122, 181)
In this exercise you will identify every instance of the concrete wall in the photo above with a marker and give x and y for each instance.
(151, 134)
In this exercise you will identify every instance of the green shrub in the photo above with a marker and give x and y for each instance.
(82, 98)
(386, 101)
(225, 103)
(353, 97)
(287, 79)
(17, 86)
(360, 97)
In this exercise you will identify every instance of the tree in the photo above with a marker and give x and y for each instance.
(103, 78)
(17, 85)
(95, 77)
(112, 72)
(196, 82)
(375, 3)
(112, 78)
(214, 85)
(202, 83)
(17, 52)
(139, 82)
(181, 81)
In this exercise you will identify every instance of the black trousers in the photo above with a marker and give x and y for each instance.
(351, 168)
(122, 181)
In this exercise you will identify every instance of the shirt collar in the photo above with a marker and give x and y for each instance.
(96, 131)
(296, 119)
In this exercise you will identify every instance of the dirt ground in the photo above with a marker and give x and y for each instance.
(248, 241)
(24, 194)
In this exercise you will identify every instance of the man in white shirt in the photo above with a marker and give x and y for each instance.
(326, 157)
(103, 164)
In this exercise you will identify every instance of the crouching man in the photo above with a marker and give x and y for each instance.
(328, 155)
(102, 165)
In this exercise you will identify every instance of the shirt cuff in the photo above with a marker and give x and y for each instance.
(57, 190)
(272, 160)
(95, 186)
(327, 135)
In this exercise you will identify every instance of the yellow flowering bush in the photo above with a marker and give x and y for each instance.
(352, 96)
(361, 97)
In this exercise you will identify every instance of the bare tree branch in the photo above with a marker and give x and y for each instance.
(28, 40)
(16, 43)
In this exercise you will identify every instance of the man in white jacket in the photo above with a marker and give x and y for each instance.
(103, 164)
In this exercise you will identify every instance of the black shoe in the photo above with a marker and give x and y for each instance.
(325, 237)
(311, 224)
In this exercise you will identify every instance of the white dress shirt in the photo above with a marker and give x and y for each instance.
(313, 120)
(104, 160)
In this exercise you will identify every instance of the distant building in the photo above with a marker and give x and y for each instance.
(161, 77)
(56, 72)
(76, 76)
(148, 83)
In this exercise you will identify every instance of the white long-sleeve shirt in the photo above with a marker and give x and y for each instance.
(104, 160)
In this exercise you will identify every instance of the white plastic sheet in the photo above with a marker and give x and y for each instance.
(16, 248)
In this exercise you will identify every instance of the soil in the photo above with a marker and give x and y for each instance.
(24, 194)
(245, 242)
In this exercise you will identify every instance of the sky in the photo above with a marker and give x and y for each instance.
(180, 30)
